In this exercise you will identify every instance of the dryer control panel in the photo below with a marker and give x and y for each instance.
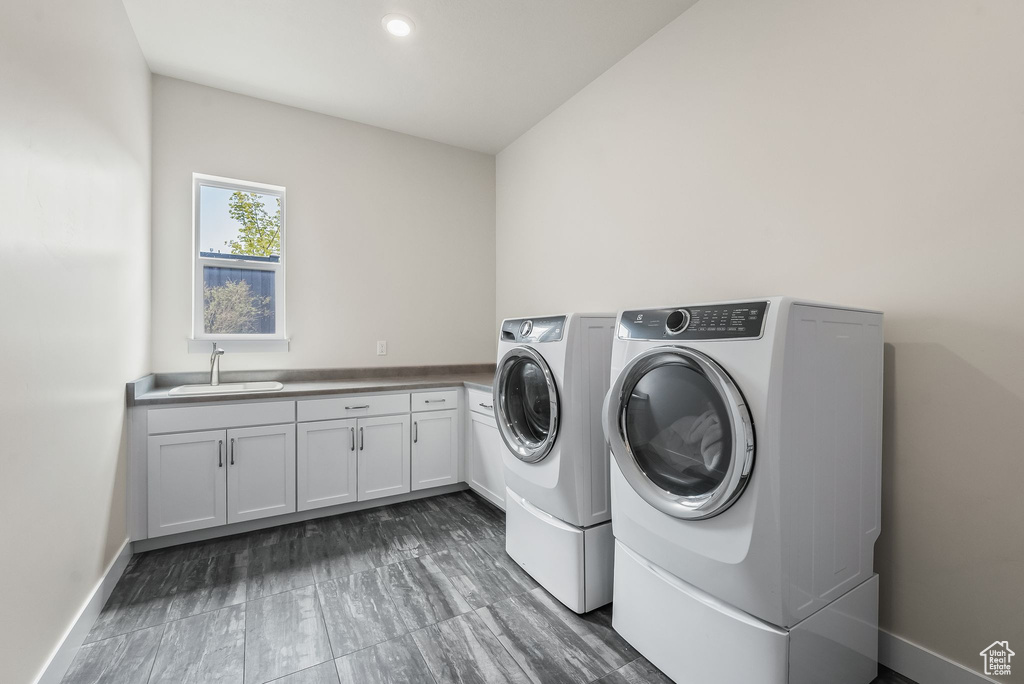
(547, 329)
(710, 322)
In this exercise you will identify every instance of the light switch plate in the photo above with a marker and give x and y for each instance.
(382, 348)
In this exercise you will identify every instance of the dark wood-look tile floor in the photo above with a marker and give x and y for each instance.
(420, 591)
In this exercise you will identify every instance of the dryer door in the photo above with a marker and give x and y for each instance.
(526, 404)
(680, 432)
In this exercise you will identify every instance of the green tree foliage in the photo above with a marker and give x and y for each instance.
(260, 234)
(232, 308)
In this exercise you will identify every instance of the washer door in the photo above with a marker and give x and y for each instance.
(526, 404)
(680, 432)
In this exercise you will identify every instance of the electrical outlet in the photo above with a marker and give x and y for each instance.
(382, 348)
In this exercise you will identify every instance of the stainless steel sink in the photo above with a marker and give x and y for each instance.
(226, 388)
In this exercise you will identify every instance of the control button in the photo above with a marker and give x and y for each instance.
(526, 328)
(677, 321)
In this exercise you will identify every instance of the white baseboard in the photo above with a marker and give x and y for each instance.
(922, 665)
(60, 659)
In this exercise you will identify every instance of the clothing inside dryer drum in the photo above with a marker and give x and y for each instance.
(679, 430)
(528, 402)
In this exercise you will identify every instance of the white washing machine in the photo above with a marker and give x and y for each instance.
(746, 439)
(549, 388)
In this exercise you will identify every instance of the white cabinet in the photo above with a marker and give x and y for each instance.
(187, 482)
(326, 463)
(435, 448)
(261, 472)
(485, 470)
(227, 462)
(383, 456)
(205, 479)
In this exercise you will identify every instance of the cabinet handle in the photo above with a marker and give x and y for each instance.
(487, 406)
(362, 441)
(434, 401)
(353, 408)
(232, 451)
(220, 453)
(415, 431)
(353, 438)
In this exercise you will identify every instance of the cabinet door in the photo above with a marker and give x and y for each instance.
(261, 472)
(326, 463)
(435, 449)
(383, 451)
(486, 472)
(187, 482)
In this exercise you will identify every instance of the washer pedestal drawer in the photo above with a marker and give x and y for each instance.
(573, 564)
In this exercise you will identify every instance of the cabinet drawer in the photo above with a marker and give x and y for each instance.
(480, 402)
(189, 418)
(355, 406)
(435, 401)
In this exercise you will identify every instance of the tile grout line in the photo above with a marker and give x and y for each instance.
(277, 679)
(501, 643)
(423, 658)
(403, 560)
(387, 590)
(245, 634)
(419, 651)
(497, 638)
(276, 593)
(152, 666)
(165, 623)
(323, 621)
(489, 631)
(618, 669)
(398, 611)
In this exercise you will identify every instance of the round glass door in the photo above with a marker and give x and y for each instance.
(680, 432)
(526, 404)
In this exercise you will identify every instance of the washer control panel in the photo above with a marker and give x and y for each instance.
(547, 329)
(712, 322)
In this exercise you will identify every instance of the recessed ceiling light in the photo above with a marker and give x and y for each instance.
(397, 25)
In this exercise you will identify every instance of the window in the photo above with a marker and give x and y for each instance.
(238, 281)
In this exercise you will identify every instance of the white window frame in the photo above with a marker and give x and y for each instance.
(202, 341)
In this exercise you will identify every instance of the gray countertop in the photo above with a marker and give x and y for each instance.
(153, 390)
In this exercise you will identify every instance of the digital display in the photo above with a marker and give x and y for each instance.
(547, 329)
(714, 322)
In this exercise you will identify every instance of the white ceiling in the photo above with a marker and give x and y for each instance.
(475, 73)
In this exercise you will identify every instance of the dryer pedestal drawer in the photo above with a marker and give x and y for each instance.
(573, 564)
(692, 636)
(688, 634)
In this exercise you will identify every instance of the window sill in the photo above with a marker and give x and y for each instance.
(238, 346)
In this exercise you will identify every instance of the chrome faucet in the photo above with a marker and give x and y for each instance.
(215, 365)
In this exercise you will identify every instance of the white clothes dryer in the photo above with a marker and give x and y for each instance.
(746, 439)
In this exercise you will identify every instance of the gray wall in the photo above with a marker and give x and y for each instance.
(867, 153)
(388, 237)
(75, 277)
